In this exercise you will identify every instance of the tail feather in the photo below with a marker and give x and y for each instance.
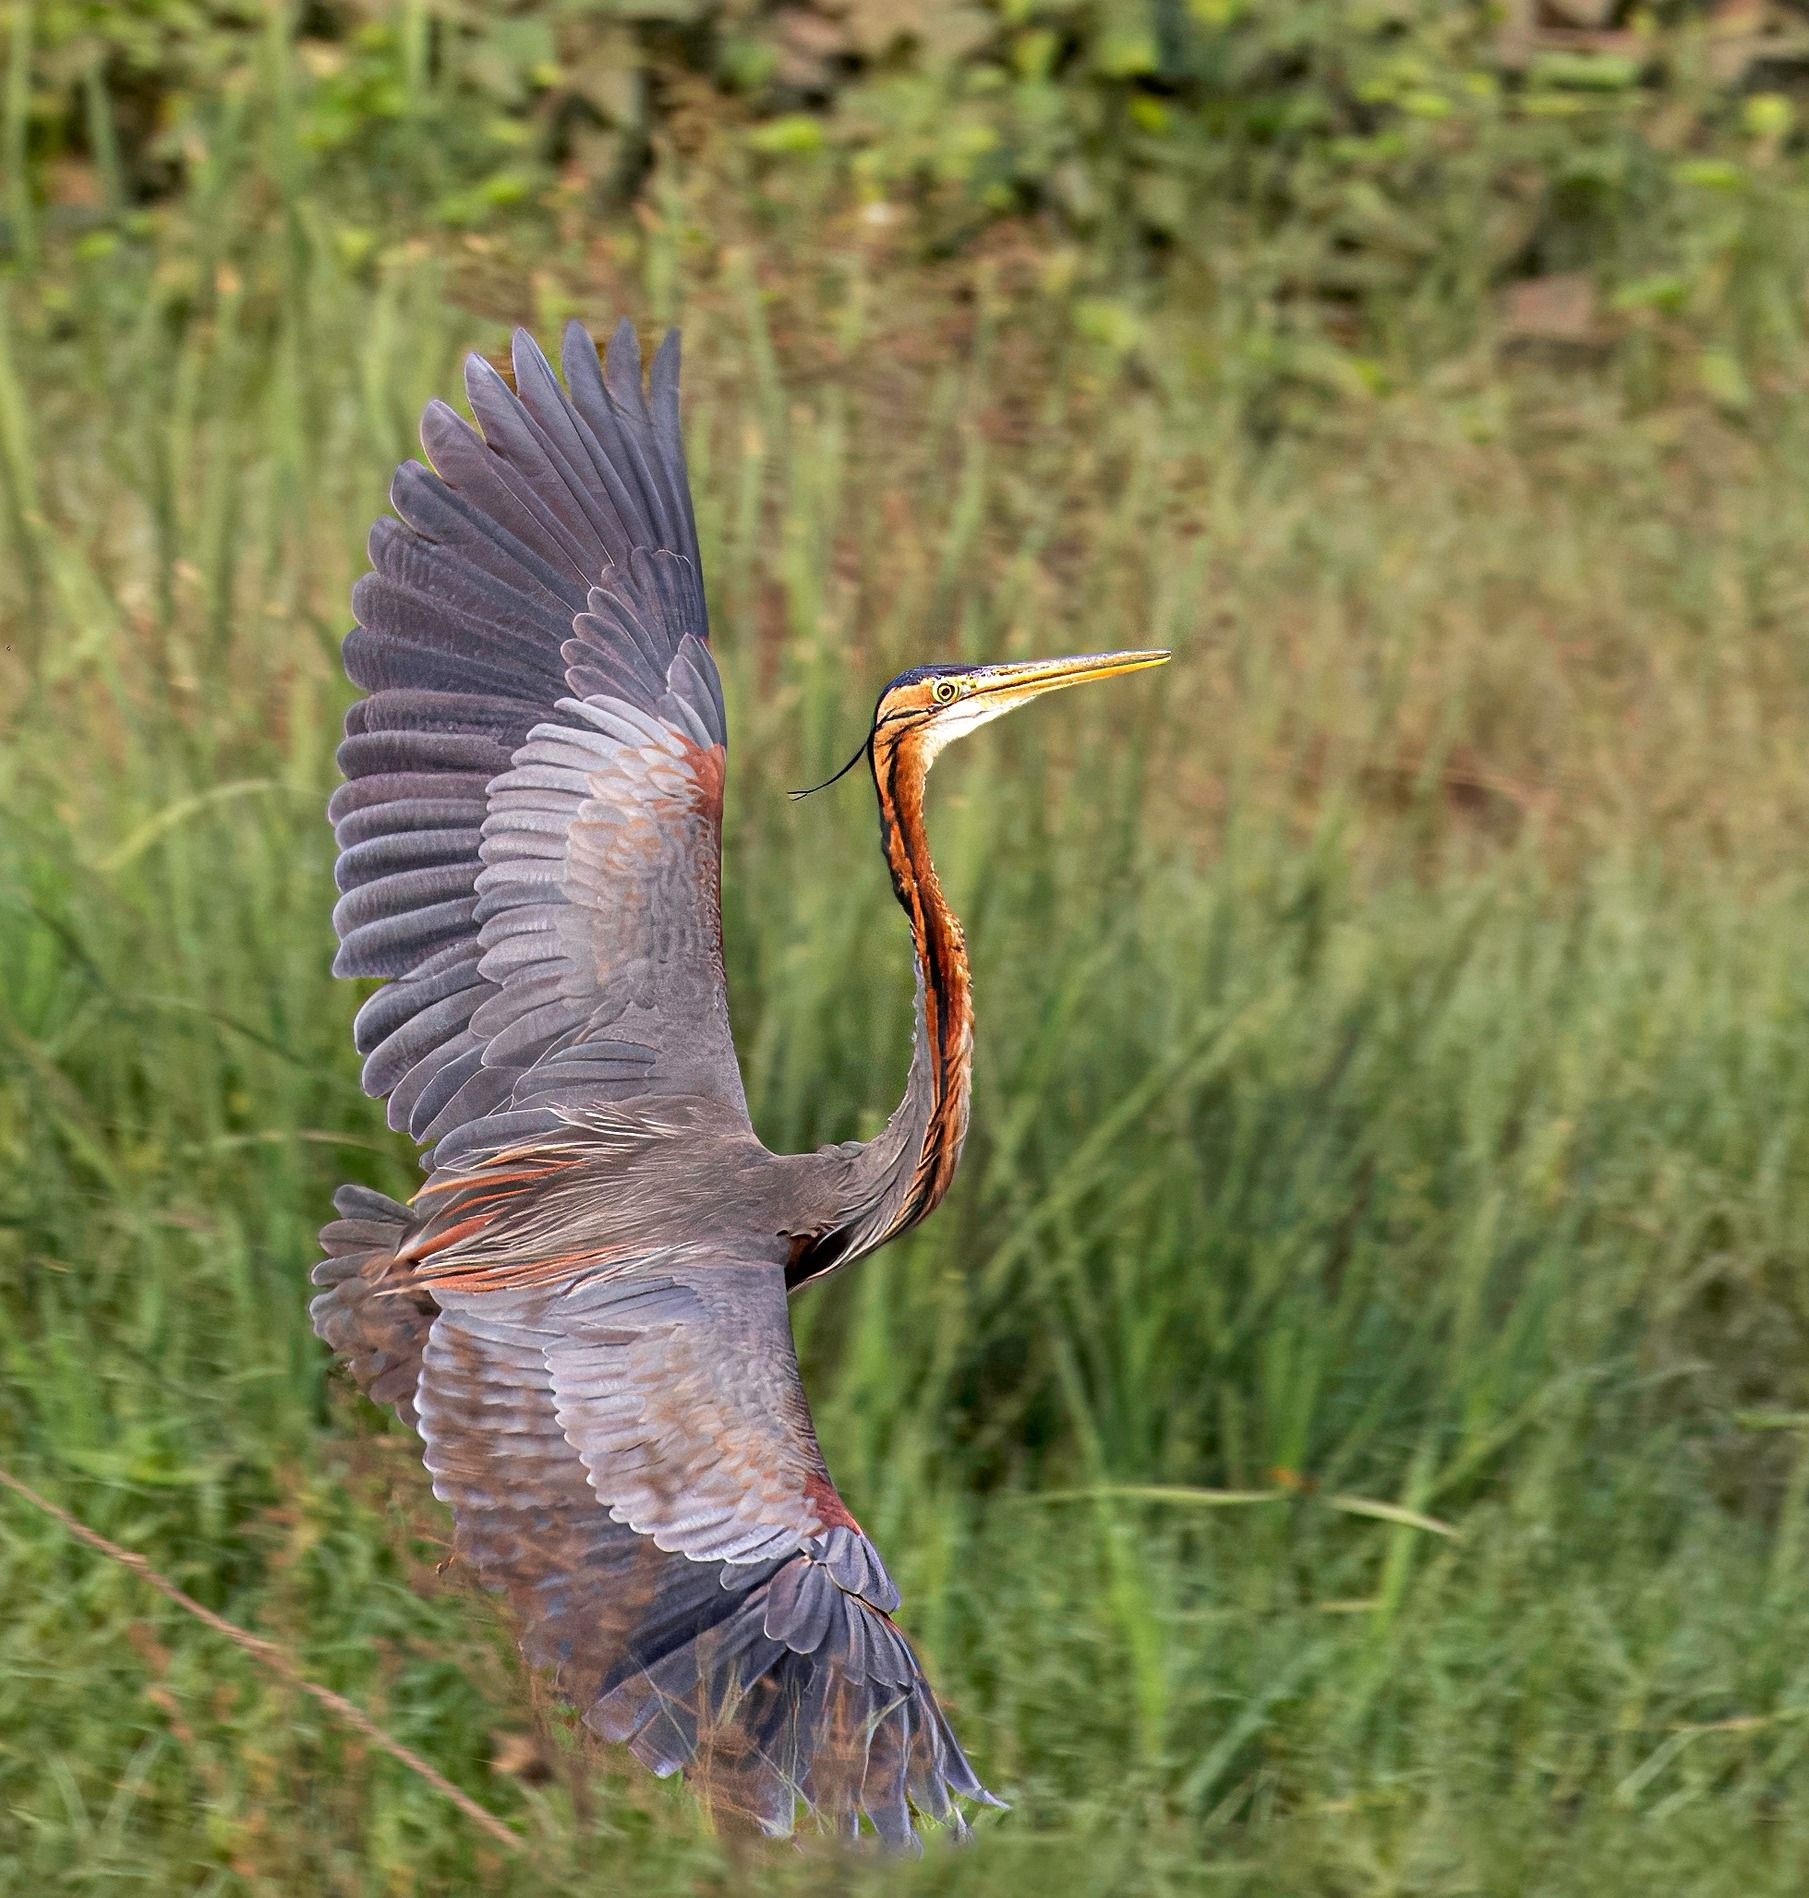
(380, 1334)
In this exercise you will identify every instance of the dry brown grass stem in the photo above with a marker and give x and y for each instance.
(269, 1655)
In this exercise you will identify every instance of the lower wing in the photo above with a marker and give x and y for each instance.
(631, 1462)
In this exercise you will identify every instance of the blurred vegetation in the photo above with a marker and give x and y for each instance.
(1341, 187)
(1345, 1433)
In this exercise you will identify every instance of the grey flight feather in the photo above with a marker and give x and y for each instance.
(530, 831)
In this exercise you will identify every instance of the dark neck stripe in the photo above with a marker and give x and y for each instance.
(947, 991)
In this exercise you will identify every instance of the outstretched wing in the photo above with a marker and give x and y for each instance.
(530, 827)
(632, 1462)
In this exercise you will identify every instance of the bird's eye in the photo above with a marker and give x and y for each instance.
(945, 691)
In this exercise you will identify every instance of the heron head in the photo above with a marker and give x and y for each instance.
(929, 706)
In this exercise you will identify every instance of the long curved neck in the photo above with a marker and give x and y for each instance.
(931, 1121)
(899, 1176)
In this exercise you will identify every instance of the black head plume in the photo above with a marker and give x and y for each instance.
(859, 753)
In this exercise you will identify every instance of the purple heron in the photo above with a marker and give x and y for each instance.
(582, 1313)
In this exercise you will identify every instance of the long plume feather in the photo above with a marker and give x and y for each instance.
(859, 754)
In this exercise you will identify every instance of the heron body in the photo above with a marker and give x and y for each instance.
(582, 1313)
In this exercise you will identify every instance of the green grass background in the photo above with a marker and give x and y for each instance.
(1345, 1432)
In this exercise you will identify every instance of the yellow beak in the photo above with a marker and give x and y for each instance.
(1029, 677)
